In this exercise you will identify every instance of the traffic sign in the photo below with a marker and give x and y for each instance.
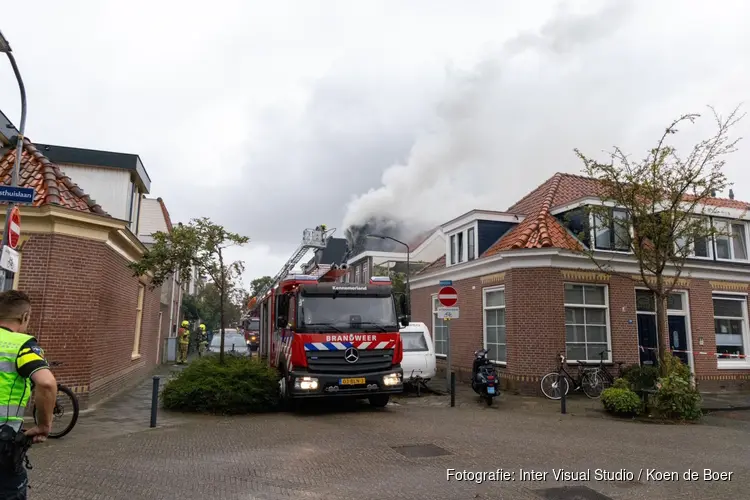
(14, 228)
(9, 259)
(445, 282)
(16, 194)
(448, 296)
(447, 312)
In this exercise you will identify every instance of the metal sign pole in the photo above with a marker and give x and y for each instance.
(448, 353)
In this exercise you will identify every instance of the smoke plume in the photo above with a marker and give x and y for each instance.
(483, 145)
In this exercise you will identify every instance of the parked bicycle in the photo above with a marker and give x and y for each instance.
(587, 379)
(66, 406)
(607, 379)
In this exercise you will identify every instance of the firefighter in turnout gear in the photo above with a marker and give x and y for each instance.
(184, 337)
(23, 365)
(202, 340)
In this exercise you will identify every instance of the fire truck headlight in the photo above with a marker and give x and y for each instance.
(392, 379)
(306, 383)
(253, 337)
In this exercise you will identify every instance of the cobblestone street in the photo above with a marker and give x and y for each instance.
(349, 453)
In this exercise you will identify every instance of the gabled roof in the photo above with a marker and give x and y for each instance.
(421, 238)
(52, 186)
(539, 229)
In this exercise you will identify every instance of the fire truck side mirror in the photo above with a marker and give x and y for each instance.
(404, 321)
(281, 322)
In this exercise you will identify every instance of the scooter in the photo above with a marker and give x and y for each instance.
(484, 379)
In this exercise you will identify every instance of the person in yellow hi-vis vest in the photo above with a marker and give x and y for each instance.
(184, 337)
(23, 366)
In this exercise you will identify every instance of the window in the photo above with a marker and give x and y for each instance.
(414, 342)
(470, 244)
(439, 330)
(453, 249)
(494, 323)
(365, 273)
(138, 321)
(460, 247)
(356, 274)
(730, 323)
(612, 232)
(731, 240)
(586, 322)
(698, 247)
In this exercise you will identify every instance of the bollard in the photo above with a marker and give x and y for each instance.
(453, 389)
(563, 393)
(154, 400)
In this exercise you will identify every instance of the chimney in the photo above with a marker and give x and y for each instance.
(731, 194)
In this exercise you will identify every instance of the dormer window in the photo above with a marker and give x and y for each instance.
(731, 240)
(470, 244)
(454, 249)
(612, 232)
(460, 247)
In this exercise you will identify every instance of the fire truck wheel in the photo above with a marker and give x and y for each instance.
(287, 402)
(379, 400)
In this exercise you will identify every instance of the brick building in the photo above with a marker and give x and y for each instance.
(526, 292)
(89, 312)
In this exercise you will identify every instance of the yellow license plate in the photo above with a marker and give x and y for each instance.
(351, 381)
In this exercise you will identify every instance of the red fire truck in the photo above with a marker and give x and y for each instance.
(328, 338)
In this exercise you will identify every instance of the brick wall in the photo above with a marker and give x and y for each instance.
(84, 311)
(535, 325)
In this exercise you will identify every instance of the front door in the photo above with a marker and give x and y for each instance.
(678, 337)
(647, 339)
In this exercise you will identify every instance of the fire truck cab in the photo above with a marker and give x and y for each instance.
(332, 339)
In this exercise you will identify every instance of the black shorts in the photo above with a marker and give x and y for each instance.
(14, 486)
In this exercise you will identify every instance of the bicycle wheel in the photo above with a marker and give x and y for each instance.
(552, 385)
(65, 413)
(592, 385)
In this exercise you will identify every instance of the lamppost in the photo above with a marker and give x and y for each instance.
(5, 48)
(408, 266)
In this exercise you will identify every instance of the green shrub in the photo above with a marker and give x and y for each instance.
(239, 385)
(621, 401)
(621, 383)
(675, 397)
(672, 365)
(640, 377)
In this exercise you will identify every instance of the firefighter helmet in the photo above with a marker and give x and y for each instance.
(203, 327)
(185, 324)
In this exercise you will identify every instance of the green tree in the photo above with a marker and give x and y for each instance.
(259, 284)
(664, 199)
(200, 244)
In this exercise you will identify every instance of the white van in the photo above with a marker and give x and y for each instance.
(419, 352)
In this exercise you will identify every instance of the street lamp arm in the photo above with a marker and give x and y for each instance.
(22, 125)
(408, 267)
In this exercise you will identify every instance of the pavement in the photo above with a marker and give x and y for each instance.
(404, 451)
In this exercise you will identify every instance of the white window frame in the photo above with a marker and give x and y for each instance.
(435, 319)
(607, 319)
(592, 233)
(731, 240)
(356, 274)
(709, 247)
(140, 301)
(471, 244)
(365, 273)
(485, 291)
(453, 250)
(733, 363)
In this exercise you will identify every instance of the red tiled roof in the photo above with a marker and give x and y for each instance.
(539, 229)
(164, 210)
(438, 264)
(52, 186)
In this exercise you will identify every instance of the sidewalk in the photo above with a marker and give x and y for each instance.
(126, 413)
(726, 401)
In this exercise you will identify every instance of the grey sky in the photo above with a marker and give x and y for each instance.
(270, 117)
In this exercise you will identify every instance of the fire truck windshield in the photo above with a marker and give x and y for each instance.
(254, 325)
(321, 313)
